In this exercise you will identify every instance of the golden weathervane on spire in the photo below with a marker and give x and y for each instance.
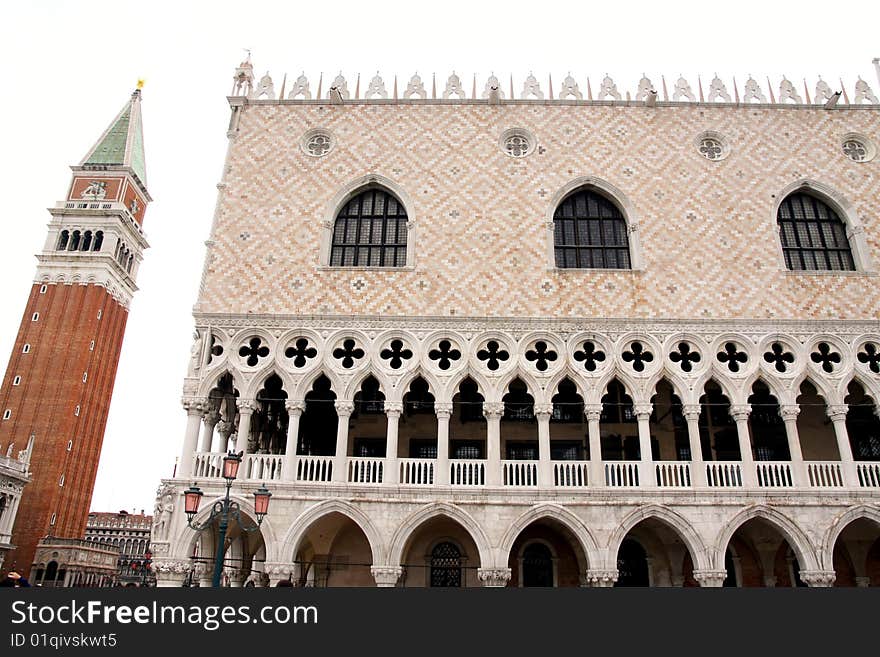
(140, 84)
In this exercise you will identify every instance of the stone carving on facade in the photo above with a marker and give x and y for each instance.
(492, 84)
(570, 88)
(195, 354)
(601, 578)
(340, 85)
(717, 89)
(683, 90)
(864, 93)
(162, 511)
(300, 88)
(386, 576)
(753, 91)
(495, 577)
(265, 88)
(710, 578)
(453, 87)
(823, 91)
(818, 578)
(376, 87)
(645, 88)
(415, 87)
(96, 190)
(532, 88)
(608, 89)
(787, 92)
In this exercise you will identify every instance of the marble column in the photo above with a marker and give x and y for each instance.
(646, 467)
(295, 410)
(444, 412)
(740, 414)
(195, 408)
(392, 413)
(789, 414)
(597, 473)
(209, 421)
(543, 412)
(837, 413)
(493, 412)
(691, 414)
(344, 409)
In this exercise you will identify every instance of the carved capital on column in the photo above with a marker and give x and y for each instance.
(194, 405)
(691, 411)
(344, 408)
(443, 409)
(710, 578)
(837, 412)
(543, 411)
(170, 572)
(386, 576)
(643, 411)
(818, 578)
(494, 576)
(493, 409)
(278, 571)
(393, 409)
(593, 412)
(295, 408)
(601, 578)
(246, 406)
(740, 411)
(789, 412)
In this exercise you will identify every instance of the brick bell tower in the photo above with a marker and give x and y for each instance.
(59, 381)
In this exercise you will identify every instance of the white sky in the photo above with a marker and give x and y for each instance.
(69, 67)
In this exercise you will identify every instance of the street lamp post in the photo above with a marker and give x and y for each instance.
(224, 508)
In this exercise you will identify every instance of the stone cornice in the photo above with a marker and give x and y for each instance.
(559, 325)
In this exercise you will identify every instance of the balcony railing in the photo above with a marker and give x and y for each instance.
(774, 474)
(417, 472)
(824, 474)
(520, 473)
(570, 475)
(465, 472)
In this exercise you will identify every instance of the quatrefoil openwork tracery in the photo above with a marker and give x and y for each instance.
(253, 351)
(493, 354)
(589, 355)
(825, 356)
(638, 356)
(300, 352)
(779, 357)
(396, 354)
(348, 353)
(541, 356)
(444, 354)
(685, 357)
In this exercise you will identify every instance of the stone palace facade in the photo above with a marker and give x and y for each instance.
(568, 338)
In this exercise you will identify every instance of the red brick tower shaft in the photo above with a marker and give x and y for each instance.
(56, 393)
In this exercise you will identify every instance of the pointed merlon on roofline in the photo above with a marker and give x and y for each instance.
(754, 92)
(121, 145)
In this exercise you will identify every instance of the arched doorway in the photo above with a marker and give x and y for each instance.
(334, 552)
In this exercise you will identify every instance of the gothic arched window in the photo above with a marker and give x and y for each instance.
(590, 232)
(446, 565)
(813, 235)
(370, 231)
(62, 240)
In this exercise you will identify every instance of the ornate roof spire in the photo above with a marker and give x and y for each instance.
(121, 145)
